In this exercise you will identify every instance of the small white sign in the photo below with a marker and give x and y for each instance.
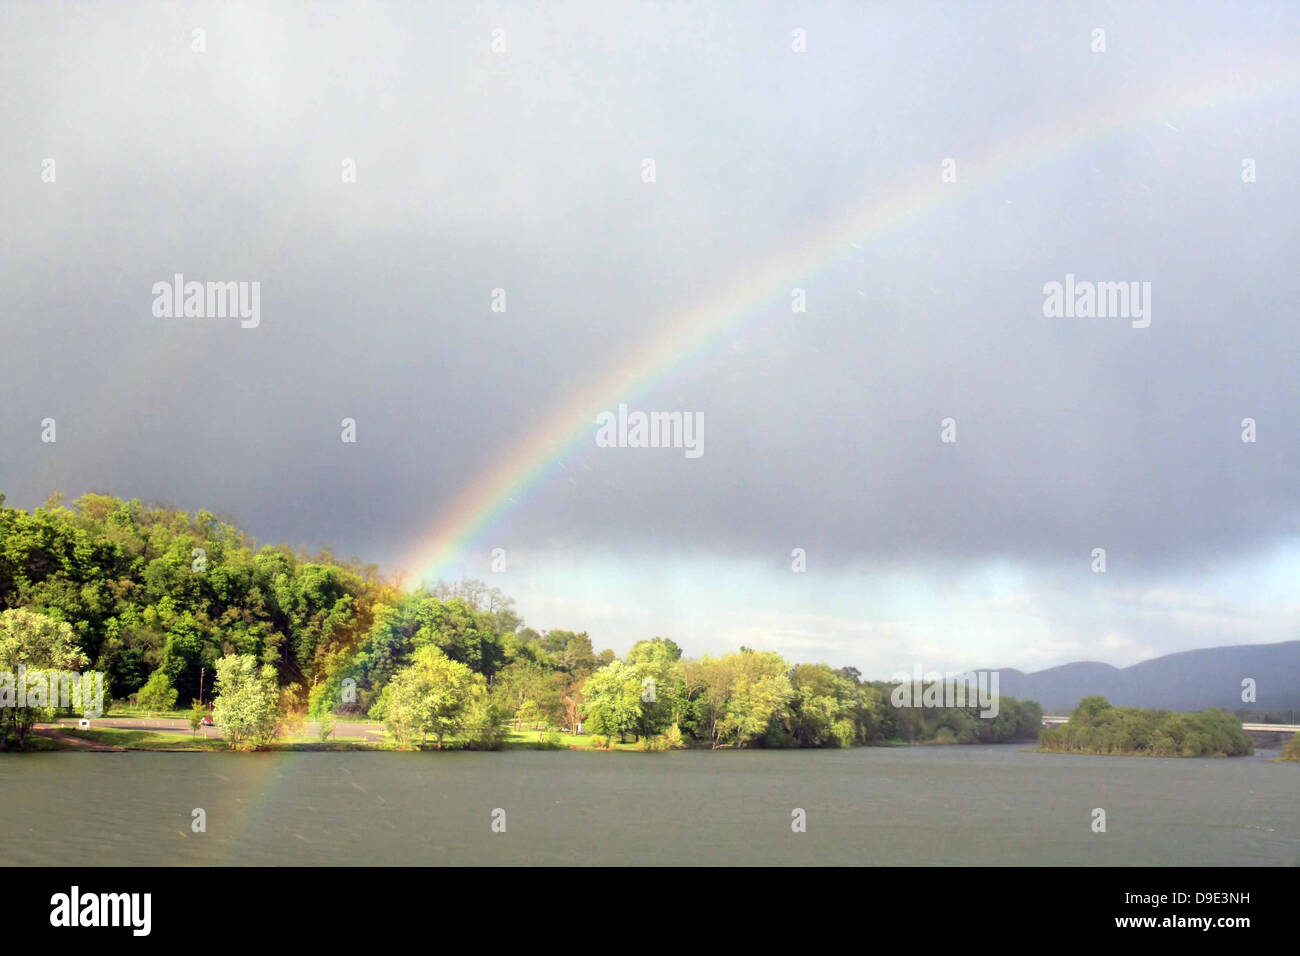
(83, 724)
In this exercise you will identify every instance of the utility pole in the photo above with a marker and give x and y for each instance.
(202, 671)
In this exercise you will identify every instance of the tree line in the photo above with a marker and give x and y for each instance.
(174, 607)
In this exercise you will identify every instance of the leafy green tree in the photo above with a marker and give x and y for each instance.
(613, 701)
(1090, 709)
(760, 693)
(525, 681)
(157, 693)
(431, 696)
(247, 707)
(822, 712)
(197, 712)
(35, 643)
(460, 632)
(528, 713)
(737, 697)
(480, 726)
(573, 652)
(658, 653)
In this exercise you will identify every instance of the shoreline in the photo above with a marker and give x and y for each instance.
(121, 740)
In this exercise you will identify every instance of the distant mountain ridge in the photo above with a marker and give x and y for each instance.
(1187, 680)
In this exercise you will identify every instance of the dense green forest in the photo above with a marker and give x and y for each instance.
(178, 608)
(1096, 727)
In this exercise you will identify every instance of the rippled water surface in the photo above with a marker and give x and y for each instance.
(922, 805)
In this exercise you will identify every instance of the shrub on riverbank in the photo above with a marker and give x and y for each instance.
(1292, 749)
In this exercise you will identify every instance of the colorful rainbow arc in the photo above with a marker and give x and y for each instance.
(504, 485)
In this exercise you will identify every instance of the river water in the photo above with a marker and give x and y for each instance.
(1000, 805)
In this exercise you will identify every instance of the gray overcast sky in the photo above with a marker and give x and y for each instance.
(522, 169)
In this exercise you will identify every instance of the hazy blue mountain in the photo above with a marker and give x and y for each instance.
(1188, 680)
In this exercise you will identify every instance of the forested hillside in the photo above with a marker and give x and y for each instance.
(147, 588)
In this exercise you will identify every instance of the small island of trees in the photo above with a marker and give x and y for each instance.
(1096, 727)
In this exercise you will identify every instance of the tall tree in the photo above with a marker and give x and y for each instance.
(32, 643)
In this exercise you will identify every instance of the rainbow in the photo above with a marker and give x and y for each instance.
(506, 483)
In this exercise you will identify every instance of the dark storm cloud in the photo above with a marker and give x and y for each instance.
(522, 171)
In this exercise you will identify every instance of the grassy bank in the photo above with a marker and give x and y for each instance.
(120, 738)
(68, 738)
(117, 738)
